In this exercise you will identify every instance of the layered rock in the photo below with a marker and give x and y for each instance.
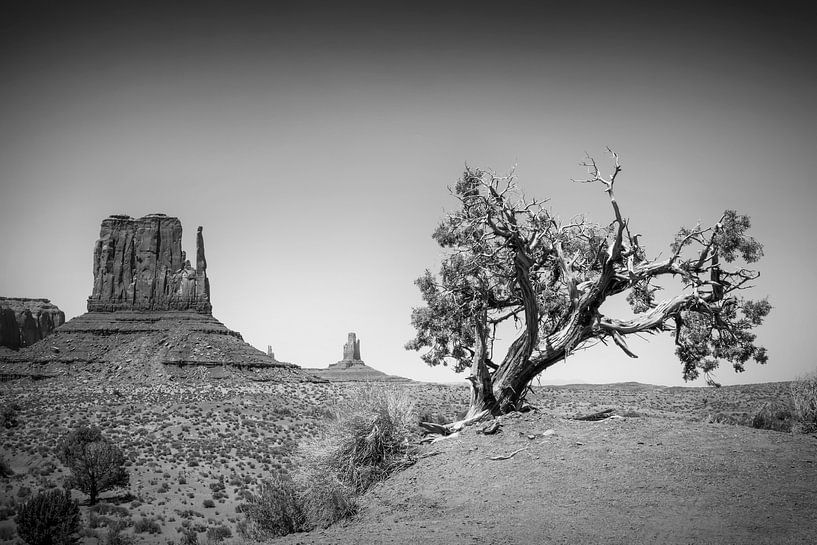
(149, 317)
(25, 321)
(139, 265)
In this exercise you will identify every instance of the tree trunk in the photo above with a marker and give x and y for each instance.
(512, 384)
(482, 395)
(509, 391)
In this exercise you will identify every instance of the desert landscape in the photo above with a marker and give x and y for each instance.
(682, 465)
(436, 273)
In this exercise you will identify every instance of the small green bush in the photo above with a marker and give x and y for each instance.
(49, 518)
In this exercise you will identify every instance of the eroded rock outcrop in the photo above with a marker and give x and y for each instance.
(139, 265)
(149, 318)
(351, 353)
(25, 321)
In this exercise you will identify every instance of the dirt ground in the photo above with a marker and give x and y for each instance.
(631, 481)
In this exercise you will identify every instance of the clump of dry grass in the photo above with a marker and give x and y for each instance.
(774, 415)
(804, 400)
(368, 437)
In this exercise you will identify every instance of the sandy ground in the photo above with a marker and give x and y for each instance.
(631, 481)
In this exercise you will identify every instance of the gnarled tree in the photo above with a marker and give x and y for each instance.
(509, 260)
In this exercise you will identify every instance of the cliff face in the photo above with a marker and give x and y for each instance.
(139, 265)
(25, 321)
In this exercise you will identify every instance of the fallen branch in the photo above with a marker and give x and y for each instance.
(595, 416)
(507, 456)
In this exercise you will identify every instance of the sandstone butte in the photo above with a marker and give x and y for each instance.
(149, 317)
(24, 321)
(351, 367)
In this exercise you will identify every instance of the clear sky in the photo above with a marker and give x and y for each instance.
(315, 144)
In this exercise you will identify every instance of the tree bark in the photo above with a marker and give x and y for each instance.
(507, 389)
(482, 395)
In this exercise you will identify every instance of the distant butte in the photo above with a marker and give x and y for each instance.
(149, 316)
(351, 354)
(352, 367)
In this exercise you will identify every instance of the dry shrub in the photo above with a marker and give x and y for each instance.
(275, 511)
(5, 468)
(369, 438)
(49, 518)
(775, 415)
(326, 500)
(804, 400)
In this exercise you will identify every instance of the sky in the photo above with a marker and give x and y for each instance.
(315, 143)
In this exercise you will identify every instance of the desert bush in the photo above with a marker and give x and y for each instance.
(719, 418)
(217, 534)
(275, 511)
(208, 503)
(189, 537)
(804, 400)
(8, 415)
(776, 416)
(49, 518)
(110, 509)
(146, 525)
(96, 464)
(5, 468)
(116, 537)
(368, 437)
(7, 533)
(326, 500)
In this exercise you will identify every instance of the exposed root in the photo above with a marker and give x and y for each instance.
(435, 432)
(507, 456)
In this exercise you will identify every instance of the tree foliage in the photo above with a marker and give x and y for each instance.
(96, 464)
(509, 260)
